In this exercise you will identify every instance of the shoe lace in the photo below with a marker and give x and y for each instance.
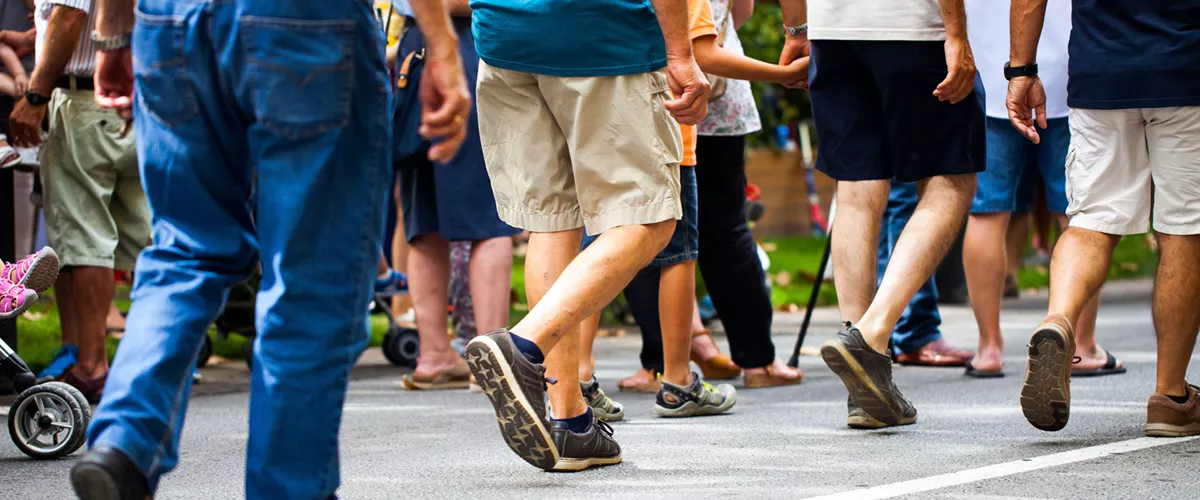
(603, 426)
(1076, 360)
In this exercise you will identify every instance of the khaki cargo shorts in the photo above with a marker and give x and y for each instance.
(96, 211)
(1126, 165)
(566, 152)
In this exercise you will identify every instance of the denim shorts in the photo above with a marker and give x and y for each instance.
(685, 243)
(1014, 163)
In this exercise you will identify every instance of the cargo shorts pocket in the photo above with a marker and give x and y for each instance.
(162, 87)
(299, 73)
(667, 136)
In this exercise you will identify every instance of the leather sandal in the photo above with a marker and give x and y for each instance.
(458, 377)
(719, 367)
(634, 384)
(772, 378)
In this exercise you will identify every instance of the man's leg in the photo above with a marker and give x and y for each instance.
(1176, 317)
(860, 206)
(92, 291)
(429, 281)
(490, 271)
(549, 255)
(921, 247)
(587, 344)
(985, 263)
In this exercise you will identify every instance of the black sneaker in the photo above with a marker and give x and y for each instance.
(867, 375)
(856, 418)
(108, 474)
(517, 388)
(592, 448)
(603, 406)
(699, 398)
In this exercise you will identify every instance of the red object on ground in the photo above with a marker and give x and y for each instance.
(753, 192)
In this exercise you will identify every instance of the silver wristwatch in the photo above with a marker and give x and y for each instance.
(796, 30)
(107, 43)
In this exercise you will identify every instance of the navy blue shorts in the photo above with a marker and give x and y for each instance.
(685, 241)
(876, 116)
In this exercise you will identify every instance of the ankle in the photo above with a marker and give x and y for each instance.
(1174, 390)
(681, 379)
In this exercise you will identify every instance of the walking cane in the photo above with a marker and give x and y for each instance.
(812, 301)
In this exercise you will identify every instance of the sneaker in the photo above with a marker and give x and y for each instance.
(592, 448)
(516, 387)
(14, 299)
(1166, 418)
(867, 375)
(108, 474)
(1046, 393)
(63, 360)
(603, 406)
(699, 398)
(395, 283)
(856, 418)
(37, 271)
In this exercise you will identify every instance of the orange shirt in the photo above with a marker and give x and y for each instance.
(700, 23)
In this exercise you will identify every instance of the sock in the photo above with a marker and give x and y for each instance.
(528, 348)
(1180, 399)
(579, 424)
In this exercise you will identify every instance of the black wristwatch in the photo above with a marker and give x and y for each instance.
(34, 98)
(1011, 72)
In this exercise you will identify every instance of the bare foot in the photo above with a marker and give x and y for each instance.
(704, 348)
(988, 359)
(1092, 359)
(776, 374)
(642, 381)
(430, 366)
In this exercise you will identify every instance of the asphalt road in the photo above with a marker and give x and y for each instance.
(971, 441)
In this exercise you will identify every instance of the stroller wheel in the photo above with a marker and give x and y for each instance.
(83, 404)
(401, 346)
(47, 422)
(205, 352)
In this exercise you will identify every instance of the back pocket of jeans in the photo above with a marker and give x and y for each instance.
(300, 73)
(160, 68)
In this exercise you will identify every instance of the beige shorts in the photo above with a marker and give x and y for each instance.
(96, 212)
(1120, 160)
(566, 152)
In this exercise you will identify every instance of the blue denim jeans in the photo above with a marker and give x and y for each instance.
(1013, 162)
(261, 136)
(919, 324)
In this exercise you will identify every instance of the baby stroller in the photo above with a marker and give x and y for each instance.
(47, 421)
(400, 344)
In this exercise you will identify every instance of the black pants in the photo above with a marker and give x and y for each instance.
(728, 262)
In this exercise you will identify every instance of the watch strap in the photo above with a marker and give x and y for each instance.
(113, 42)
(796, 30)
(1011, 71)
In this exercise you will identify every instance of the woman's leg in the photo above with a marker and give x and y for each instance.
(491, 282)
(429, 260)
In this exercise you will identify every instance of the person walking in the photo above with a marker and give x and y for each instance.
(1133, 93)
(228, 120)
(580, 83)
(879, 67)
(96, 213)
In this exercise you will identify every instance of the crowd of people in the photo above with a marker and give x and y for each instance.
(184, 133)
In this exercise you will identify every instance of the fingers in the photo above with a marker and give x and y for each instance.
(1041, 115)
(956, 87)
(24, 136)
(445, 149)
(688, 109)
(1023, 122)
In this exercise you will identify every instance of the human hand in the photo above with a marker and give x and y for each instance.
(114, 81)
(795, 47)
(22, 42)
(25, 124)
(960, 71)
(445, 100)
(797, 73)
(21, 84)
(690, 88)
(1027, 99)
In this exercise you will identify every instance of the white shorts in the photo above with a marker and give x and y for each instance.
(1125, 164)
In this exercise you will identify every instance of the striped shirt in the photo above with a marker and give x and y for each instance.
(83, 62)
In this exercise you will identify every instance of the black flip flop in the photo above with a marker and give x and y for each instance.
(973, 373)
(1109, 368)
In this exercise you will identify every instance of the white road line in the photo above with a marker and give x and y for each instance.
(1001, 470)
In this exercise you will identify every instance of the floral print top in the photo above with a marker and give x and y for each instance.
(735, 113)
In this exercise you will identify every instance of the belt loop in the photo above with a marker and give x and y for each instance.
(72, 82)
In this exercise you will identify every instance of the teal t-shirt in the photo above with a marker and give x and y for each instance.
(569, 37)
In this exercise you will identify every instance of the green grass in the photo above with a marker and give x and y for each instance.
(794, 262)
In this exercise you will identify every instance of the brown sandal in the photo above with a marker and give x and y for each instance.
(719, 367)
(772, 379)
(458, 377)
(632, 384)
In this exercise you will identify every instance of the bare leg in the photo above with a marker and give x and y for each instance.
(676, 302)
(1078, 268)
(400, 303)
(922, 244)
(491, 282)
(589, 282)
(91, 293)
(1176, 317)
(68, 312)
(587, 341)
(1017, 237)
(703, 346)
(984, 261)
(860, 208)
(1091, 356)
(553, 253)
(429, 260)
